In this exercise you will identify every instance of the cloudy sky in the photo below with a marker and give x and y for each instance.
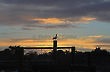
(81, 23)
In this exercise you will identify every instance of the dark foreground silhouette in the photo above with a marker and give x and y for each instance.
(56, 61)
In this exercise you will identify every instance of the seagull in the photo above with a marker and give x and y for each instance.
(55, 37)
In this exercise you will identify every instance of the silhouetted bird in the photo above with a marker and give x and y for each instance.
(55, 37)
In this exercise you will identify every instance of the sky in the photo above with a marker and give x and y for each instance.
(80, 23)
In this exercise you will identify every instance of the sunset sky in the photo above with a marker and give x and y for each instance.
(81, 23)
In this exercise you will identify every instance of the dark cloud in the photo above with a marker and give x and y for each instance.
(50, 2)
(28, 39)
(32, 27)
(20, 12)
(105, 40)
(104, 46)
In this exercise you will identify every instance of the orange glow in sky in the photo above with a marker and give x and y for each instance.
(81, 43)
(68, 20)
